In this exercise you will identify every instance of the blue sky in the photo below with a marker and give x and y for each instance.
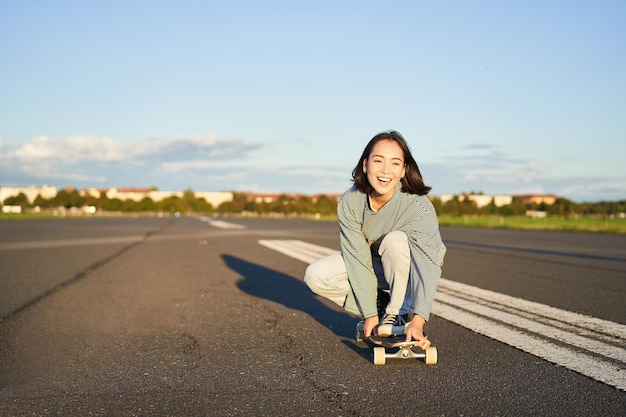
(279, 96)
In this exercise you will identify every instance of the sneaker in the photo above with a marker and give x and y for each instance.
(392, 325)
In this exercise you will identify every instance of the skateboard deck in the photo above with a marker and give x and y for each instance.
(403, 350)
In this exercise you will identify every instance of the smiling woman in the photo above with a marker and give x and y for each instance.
(392, 251)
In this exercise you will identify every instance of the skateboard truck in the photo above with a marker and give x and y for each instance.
(404, 350)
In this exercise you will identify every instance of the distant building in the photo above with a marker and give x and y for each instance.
(215, 198)
(138, 194)
(270, 198)
(536, 214)
(134, 194)
(547, 199)
(12, 209)
(262, 198)
(502, 200)
(481, 200)
(31, 192)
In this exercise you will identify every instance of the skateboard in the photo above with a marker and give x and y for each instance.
(405, 350)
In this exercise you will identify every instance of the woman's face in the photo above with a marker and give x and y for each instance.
(384, 168)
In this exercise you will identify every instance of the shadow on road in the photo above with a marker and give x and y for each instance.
(289, 291)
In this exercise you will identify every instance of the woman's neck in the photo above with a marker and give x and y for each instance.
(376, 203)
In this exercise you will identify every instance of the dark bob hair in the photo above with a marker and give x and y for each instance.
(412, 182)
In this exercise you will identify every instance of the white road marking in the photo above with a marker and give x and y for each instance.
(297, 249)
(60, 243)
(220, 224)
(587, 345)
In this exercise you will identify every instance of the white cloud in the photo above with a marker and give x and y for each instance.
(487, 169)
(82, 149)
(71, 149)
(87, 159)
(182, 166)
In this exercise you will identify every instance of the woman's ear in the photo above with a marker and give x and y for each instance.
(365, 166)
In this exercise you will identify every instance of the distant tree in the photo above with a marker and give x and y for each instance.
(94, 201)
(452, 207)
(225, 207)
(173, 204)
(283, 205)
(17, 200)
(112, 204)
(304, 205)
(189, 199)
(490, 209)
(326, 205)
(438, 205)
(516, 208)
(200, 205)
(147, 204)
(469, 207)
(612, 207)
(68, 197)
(42, 202)
(251, 206)
(237, 205)
(261, 208)
(562, 207)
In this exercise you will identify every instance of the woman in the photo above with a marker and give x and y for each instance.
(389, 240)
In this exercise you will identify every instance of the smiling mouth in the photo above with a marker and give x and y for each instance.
(384, 180)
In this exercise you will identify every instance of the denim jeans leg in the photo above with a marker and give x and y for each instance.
(328, 277)
(395, 256)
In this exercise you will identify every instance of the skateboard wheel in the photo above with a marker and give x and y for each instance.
(379, 356)
(431, 356)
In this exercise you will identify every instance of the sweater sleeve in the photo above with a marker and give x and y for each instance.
(357, 257)
(427, 253)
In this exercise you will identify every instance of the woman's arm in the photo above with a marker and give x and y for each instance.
(357, 256)
(427, 251)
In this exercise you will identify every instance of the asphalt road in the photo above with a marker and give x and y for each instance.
(176, 316)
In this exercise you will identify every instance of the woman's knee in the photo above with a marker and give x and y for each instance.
(323, 274)
(311, 277)
(394, 241)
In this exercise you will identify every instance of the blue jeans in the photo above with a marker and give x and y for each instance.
(391, 260)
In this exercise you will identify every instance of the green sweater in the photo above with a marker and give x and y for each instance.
(360, 227)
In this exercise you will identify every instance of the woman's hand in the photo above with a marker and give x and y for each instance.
(369, 326)
(415, 331)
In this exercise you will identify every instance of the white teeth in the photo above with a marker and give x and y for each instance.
(384, 179)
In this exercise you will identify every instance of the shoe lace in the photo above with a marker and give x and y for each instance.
(394, 320)
(389, 319)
